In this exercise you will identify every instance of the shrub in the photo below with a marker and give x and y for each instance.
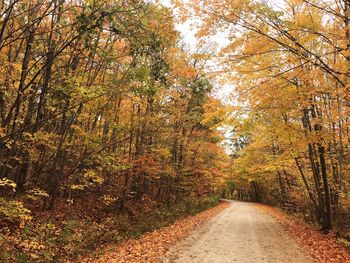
(14, 211)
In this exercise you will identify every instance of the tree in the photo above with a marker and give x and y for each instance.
(290, 69)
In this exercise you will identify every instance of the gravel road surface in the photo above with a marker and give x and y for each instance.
(241, 233)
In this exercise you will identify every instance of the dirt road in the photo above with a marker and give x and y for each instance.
(241, 234)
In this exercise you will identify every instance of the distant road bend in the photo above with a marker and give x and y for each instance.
(240, 234)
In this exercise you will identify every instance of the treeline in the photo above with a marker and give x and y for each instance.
(101, 109)
(289, 62)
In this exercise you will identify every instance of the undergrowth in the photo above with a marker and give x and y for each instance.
(65, 235)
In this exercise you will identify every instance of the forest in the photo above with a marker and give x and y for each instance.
(111, 126)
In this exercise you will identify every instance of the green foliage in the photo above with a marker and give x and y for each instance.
(14, 211)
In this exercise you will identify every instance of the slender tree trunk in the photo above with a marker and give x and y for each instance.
(328, 222)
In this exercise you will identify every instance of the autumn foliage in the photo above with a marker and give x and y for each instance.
(288, 65)
(110, 127)
(104, 119)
